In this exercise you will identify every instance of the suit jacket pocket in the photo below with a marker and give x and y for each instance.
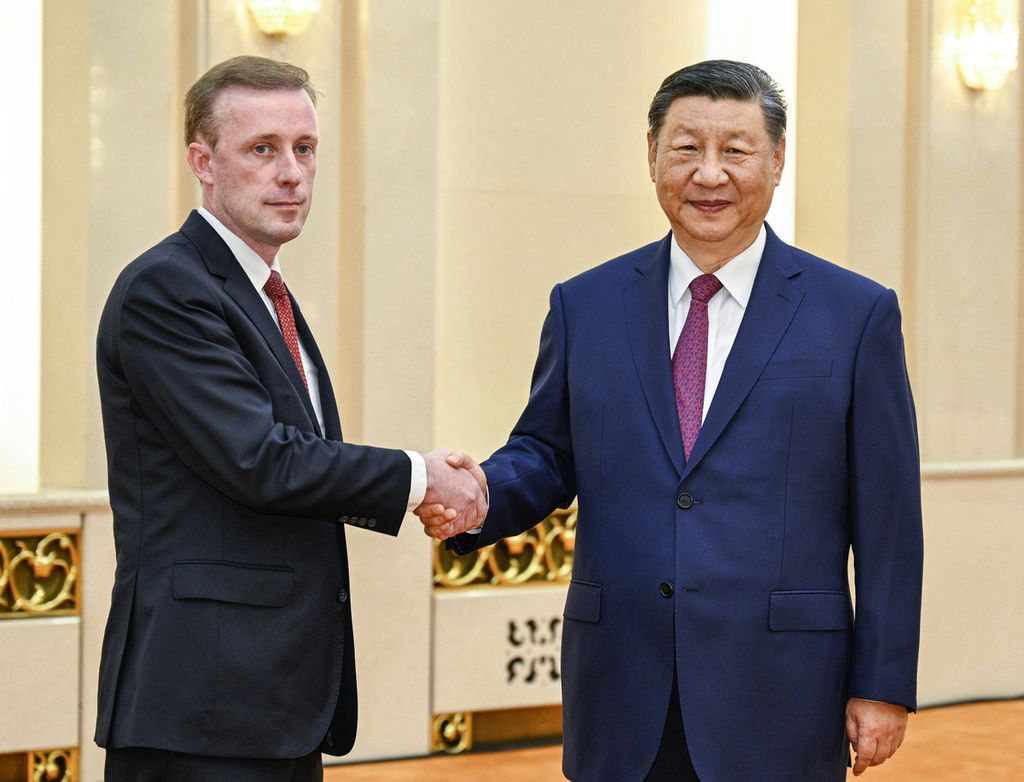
(583, 603)
(808, 609)
(232, 582)
(810, 367)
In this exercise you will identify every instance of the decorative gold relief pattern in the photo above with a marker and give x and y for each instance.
(453, 733)
(38, 574)
(539, 555)
(59, 765)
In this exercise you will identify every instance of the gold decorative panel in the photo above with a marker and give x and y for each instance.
(46, 765)
(542, 554)
(462, 731)
(59, 765)
(38, 574)
(453, 733)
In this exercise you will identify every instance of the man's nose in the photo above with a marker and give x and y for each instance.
(288, 169)
(710, 172)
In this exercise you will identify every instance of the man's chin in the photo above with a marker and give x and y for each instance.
(282, 234)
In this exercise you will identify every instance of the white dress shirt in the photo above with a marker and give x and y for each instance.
(725, 309)
(258, 272)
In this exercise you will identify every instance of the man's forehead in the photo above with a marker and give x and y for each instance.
(240, 97)
(700, 112)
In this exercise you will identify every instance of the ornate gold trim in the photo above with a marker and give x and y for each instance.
(453, 733)
(38, 573)
(56, 765)
(542, 554)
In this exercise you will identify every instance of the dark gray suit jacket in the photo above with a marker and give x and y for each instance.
(230, 629)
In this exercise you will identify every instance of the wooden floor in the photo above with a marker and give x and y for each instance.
(980, 742)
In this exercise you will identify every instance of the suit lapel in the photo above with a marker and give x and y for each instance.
(646, 307)
(221, 263)
(774, 300)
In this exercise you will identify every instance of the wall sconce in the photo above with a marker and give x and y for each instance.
(986, 43)
(282, 17)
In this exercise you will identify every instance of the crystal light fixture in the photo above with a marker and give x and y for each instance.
(282, 17)
(986, 43)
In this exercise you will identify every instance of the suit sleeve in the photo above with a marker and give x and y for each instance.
(189, 376)
(885, 508)
(533, 474)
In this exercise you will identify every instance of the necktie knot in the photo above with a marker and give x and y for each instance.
(704, 287)
(274, 286)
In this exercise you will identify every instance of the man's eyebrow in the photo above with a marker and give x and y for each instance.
(257, 137)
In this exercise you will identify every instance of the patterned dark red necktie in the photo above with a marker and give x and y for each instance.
(278, 294)
(690, 360)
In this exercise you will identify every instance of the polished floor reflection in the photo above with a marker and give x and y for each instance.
(979, 742)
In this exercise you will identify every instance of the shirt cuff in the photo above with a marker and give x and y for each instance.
(418, 482)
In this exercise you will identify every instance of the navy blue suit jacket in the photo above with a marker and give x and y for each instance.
(730, 567)
(230, 627)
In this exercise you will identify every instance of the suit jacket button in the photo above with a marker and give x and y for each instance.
(342, 595)
(371, 523)
(665, 589)
(343, 519)
(685, 500)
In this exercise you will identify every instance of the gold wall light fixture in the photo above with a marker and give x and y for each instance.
(986, 42)
(282, 17)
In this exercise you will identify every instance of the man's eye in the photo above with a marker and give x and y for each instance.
(261, 149)
(304, 149)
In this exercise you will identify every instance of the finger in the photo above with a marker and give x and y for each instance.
(478, 474)
(434, 532)
(467, 462)
(437, 522)
(429, 510)
(458, 459)
(866, 749)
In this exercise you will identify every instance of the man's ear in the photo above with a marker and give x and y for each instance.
(652, 153)
(199, 155)
(779, 160)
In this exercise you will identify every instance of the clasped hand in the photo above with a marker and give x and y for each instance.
(456, 497)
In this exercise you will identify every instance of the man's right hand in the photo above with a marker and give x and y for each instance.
(456, 499)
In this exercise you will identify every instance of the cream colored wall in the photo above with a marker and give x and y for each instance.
(910, 178)
(477, 153)
(542, 174)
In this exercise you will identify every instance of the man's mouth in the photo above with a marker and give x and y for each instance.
(710, 205)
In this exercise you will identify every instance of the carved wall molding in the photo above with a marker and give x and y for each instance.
(542, 554)
(58, 765)
(453, 733)
(38, 573)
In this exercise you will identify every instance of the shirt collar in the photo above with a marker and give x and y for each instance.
(736, 275)
(255, 268)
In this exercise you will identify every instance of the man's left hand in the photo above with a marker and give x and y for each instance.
(876, 731)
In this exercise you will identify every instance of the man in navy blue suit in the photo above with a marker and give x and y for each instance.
(228, 653)
(734, 416)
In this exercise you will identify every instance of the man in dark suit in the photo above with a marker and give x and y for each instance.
(228, 653)
(734, 415)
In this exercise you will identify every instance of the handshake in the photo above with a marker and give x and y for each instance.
(456, 497)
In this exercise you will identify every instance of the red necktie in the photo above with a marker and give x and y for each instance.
(278, 294)
(690, 360)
